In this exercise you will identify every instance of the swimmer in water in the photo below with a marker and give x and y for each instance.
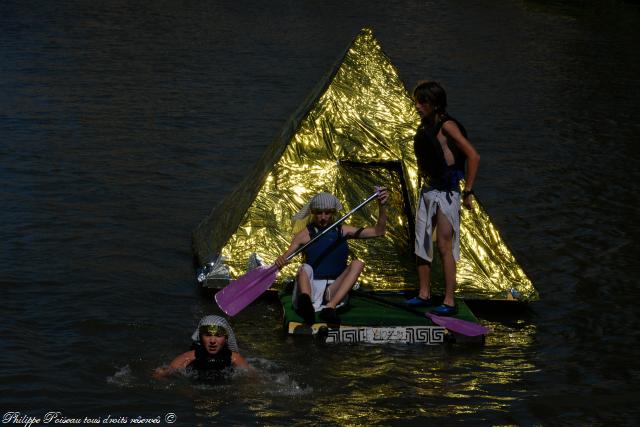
(214, 349)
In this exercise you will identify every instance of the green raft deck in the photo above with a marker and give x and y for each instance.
(368, 320)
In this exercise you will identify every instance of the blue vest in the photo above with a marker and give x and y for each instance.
(327, 255)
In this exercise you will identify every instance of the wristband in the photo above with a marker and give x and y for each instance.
(467, 193)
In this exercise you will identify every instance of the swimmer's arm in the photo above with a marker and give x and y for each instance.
(179, 362)
(238, 361)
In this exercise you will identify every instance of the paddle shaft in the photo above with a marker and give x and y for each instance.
(332, 226)
(463, 327)
(387, 302)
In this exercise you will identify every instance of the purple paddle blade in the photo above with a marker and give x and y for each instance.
(245, 289)
(460, 326)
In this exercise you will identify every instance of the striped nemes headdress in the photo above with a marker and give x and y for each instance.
(320, 201)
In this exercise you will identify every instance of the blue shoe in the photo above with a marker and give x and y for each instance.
(419, 302)
(445, 310)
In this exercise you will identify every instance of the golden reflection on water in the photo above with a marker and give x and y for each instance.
(458, 381)
(383, 385)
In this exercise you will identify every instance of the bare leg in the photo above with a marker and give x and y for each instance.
(445, 247)
(343, 284)
(424, 278)
(424, 272)
(303, 304)
(304, 284)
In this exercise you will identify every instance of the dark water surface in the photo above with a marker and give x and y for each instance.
(123, 123)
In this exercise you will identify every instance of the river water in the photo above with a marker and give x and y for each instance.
(122, 124)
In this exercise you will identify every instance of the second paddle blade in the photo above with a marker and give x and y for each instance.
(460, 326)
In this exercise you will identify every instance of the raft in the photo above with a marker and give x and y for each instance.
(367, 320)
(354, 132)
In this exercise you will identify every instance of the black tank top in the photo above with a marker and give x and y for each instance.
(207, 362)
(430, 158)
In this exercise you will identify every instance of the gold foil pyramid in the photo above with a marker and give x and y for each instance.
(354, 131)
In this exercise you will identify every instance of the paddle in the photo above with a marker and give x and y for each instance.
(243, 291)
(460, 326)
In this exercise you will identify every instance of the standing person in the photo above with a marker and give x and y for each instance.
(214, 349)
(324, 279)
(442, 151)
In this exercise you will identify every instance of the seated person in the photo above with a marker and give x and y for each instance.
(214, 349)
(325, 279)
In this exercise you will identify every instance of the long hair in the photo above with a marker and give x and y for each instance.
(433, 93)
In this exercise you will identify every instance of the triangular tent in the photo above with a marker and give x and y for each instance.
(354, 131)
